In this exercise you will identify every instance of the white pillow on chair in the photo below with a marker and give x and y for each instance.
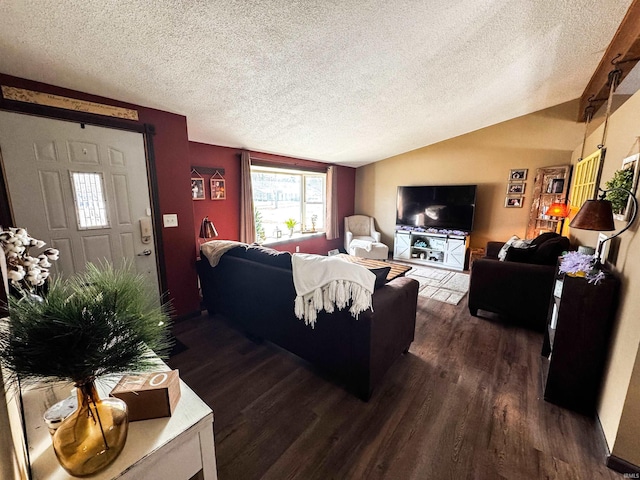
(513, 242)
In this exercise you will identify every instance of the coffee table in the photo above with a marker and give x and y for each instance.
(396, 271)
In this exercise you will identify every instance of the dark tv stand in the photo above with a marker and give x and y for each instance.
(433, 249)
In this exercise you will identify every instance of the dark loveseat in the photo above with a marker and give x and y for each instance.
(519, 288)
(253, 288)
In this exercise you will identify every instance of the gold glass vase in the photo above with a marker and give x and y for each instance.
(93, 436)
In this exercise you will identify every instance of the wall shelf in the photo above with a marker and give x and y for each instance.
(551, 186)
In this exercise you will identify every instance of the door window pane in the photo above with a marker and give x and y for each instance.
(90, 201)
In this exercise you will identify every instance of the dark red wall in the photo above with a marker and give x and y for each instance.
(225, 214)
(171, 147)
(174, 156)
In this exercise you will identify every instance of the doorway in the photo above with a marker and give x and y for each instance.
(83, 189)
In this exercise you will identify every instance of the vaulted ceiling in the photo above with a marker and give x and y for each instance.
(348, 81)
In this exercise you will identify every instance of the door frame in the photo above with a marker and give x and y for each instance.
(146, 129)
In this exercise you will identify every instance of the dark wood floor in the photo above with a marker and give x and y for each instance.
(465, 403)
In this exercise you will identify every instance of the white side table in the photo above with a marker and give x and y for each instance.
(171, 448)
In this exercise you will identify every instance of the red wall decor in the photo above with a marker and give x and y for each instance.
(226, 214)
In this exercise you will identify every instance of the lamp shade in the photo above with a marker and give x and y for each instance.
(559, 210)
(207, 229)
(594, 215)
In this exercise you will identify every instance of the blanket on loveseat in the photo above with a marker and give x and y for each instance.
(329, 282)
(214, 249)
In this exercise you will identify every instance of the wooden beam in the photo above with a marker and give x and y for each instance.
(626, 43)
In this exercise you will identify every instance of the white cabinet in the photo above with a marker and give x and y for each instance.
(402, 246)
(436, 249)
(456, 253)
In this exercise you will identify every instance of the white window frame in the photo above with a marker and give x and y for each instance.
(305, 217)
(103, 207)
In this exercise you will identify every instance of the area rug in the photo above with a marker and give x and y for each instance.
(441, 285)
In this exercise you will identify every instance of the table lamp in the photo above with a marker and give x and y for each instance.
(207, 229)
(598, 215)
(558, 210)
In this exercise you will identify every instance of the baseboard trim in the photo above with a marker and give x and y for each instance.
(603, 437)
(615, 463)
(186, 316)
(622, 466)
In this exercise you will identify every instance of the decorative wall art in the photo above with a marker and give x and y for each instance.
(513, 202)
(218, 188)
(626, 177)
(556, 185)
(604, 255)
(197, 186)
(50, 100)
(518, 174)
(516, 188)
(585, 180)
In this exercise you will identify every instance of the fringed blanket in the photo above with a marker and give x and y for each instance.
(329, 282)
(214, 249)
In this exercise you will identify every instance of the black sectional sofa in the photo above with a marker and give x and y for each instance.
(253, 288)
(519, 288)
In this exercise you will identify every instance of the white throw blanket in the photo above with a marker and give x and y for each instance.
(214, 249)
(329, 282)
(364, 244)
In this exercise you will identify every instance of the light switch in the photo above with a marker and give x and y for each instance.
(170, 220)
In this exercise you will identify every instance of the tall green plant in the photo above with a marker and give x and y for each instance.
(104, 321)
(257, 218)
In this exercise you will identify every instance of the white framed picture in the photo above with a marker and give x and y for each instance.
(518, 174)
(605, 249)
(513, 202)
(516, 188)
(629, 164)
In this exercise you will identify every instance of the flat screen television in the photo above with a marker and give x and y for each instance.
(446, 207)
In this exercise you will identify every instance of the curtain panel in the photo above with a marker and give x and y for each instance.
(332, 230)
(247, 220)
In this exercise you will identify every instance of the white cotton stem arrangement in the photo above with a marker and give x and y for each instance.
(26, 272)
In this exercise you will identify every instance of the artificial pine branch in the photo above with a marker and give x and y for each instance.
(104, 321)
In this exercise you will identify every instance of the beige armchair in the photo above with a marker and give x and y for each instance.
(362, 239)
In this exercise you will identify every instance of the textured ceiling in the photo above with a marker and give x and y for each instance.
(341, 81)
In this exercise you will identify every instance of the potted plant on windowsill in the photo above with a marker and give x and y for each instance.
(290, 224)
(94, 324)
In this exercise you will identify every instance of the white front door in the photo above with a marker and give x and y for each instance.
(82, 189)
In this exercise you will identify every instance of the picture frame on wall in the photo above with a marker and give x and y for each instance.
(197, 188)
(518, 174)
(516, 188)
(514, 202)
(556, 185)
(218, 189)
(629, 163)
(604, 255)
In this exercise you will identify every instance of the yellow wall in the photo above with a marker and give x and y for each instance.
(483, 157)
(619, 406)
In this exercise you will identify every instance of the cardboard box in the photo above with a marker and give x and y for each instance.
(149, 395)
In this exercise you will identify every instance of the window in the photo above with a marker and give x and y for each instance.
(585, 179)
(91, 205)
(282, 194)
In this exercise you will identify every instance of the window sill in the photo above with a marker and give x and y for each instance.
(297, 237)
